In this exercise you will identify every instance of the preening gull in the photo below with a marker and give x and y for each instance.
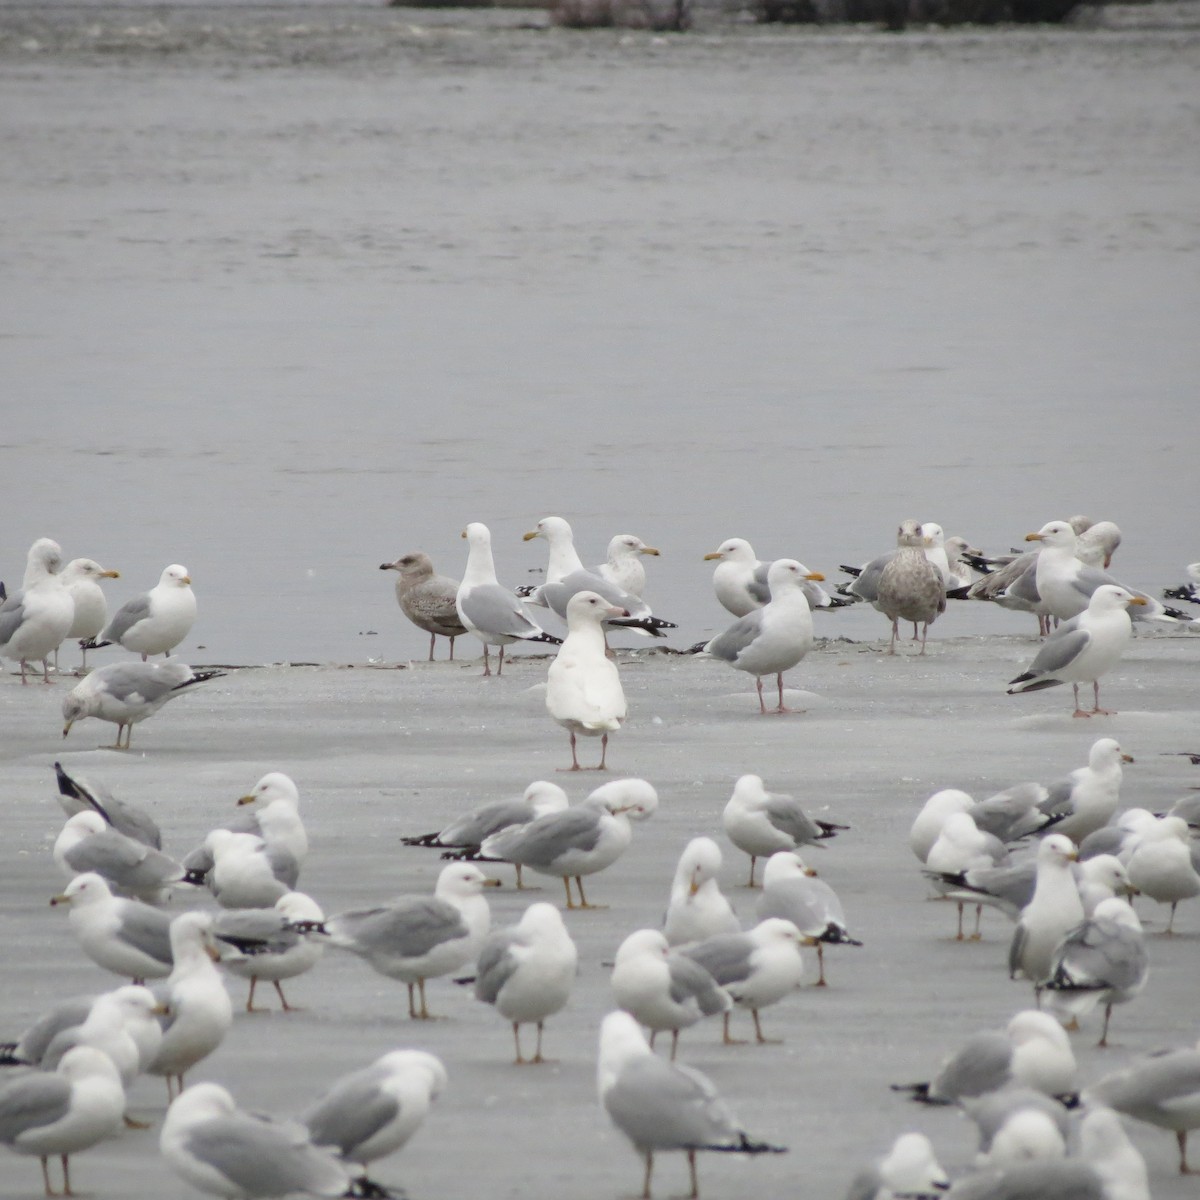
(272, 943)
(1084, 648)
(1102, 961)
(566, 576)
(375, 1111)
(126, 693)
(1166, 866)
(1027, 1135)
(415, 938)
(426, 598)
(57, 1115)
(697, 908)
(88, 843)
(583, 687)
(911, 588)
(759, 822)
(212, 1144)
(491, 612)
(928, 823)
(910, 1168)
(623, 566)
(526, 972)
(581, 840)
(659, 1105)
(1052, 913)
(126, 937)
(156, 621)
(664, 989)
(1162, 1090)
(774, 638)
(757, 968)
(1088, 797)
(81, 578)
(792, 891)
(35, 618)
(77, 794)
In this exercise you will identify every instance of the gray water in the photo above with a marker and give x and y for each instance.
(289, 291)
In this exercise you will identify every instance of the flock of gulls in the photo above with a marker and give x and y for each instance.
(1062, 862)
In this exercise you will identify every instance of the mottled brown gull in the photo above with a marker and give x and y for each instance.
(911, 588)
(426, 598)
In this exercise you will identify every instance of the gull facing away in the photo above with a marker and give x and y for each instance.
(526, 972)
(910, 1168)
(759, 822)
(697, 908)
(491, 612)
(77, 794)
(659, 1105)
(415, 938)
(81, 578)
(58, 1114)
(581, 840)
(426, 598)
(156, 621)
(126, 693)
(35, 619)
(662, 988)
(583, 687)
(219, 1148)
(911, 588)
(1166, 864)
(774, 638)
(375, 1111)
(1083, 649)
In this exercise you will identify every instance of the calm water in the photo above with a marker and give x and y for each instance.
(289, 292)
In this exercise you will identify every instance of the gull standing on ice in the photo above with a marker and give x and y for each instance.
(697, 908)
(426, 598)
(35, 619)
(583, 687)
(911, 588)
(910, 1168)
(1166, 865)
(1053, 912)
(774, 638)
(491, 612)
(77, 794)
(526, 972)
(87, 843)
(740, 580)
(581, 840)
(1087, 798)
(80, 577)
(663, 1106)
(156, 621)
(1084, 648)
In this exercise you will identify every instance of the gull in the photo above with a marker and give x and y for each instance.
(757, 968)
(774, 638)
(759, 822)
(200, 1014)
(961, 847)
(1052, 913)
(583, 687)
(566, 576)
(1028, 1135)
(740, 580)
(126, 693)
(928, 823)
(81, 579)
(35, 618)
(247, 871)
(275, 943)
(1187, 591)
(663, 989)
(1082, 649)
(1102, 961)
(415, 938)
(218, 1148)
(491, 612)
(792, 891)
(1120, 837)
(910, 1168)
(1015, 813)
(1032, 1051)
(87, 843)
(697, 909)
(30, 1048)
(623, 566)
(1088, 797)
(463, 837)
(1162, 1090)
(992, 1111)
(426, 598)
(526, 972)
(581, 840)
(659, 1105)
(376, 1110)
(59, 1114)
(156, 621)
(77, 794)
(126, 937)
(1166, 866)
(911, 588)
(1013, 585)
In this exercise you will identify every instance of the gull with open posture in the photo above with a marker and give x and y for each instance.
(583, 687)
(36, 618)
(156, 621)
(426, 598)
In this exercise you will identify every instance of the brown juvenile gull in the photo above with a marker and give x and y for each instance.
(910, 586)
(426, 598)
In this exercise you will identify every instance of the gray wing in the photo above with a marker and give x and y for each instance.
(788, 817)
(351, 1112)
(123, 681)
(494, 609)
(866, 586)
(1032, 1181)
(408, 928)
(737, 637)
(146, 929)
(12, 615)
(126, 862)
(471, 829)
(126, 617)
(726, 957)
(542, 841)
(77, 794)
(690, 981)
(265, 926)
(284, 866)
(981, 1066)
(1108, 839)
(1098, 955)
(1012, 813)
(758, 589)
(1059, 651)
(556, 595)
(33, 1043)
(661, 1106)
(496, 966)
(1010, 887)
(1153, 1087)
(992, 1110)
(30, 1102)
